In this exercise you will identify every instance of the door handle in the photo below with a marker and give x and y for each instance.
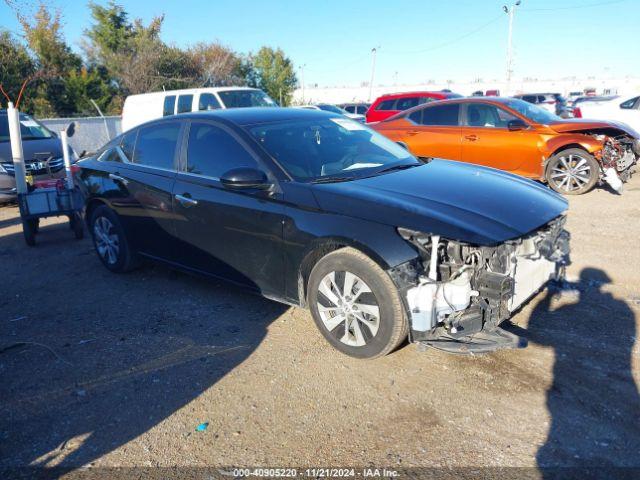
(471, 138)
(186, 201)
(118, 178)
(413, 132)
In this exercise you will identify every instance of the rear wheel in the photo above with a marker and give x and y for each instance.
(355, 304)
(110, 241)
(572, 172)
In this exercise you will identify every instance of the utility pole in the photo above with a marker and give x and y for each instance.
(511, 11)
(374, 50)
(302, 75)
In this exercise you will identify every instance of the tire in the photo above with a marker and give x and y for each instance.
(29, 230)
(110, 241)
(572, 172)
(369, 324)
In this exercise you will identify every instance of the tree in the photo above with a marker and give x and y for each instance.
(16, 66)
(216, 65)
(272, 71)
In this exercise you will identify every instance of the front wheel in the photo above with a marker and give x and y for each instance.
(572, 172)
(355, 304)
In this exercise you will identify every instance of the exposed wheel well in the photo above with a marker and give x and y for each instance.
(89, 209)
(316, 254)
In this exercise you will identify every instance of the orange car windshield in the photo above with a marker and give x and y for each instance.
(532, 112)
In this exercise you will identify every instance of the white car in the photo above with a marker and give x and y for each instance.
(141, 108)
(620, 109)
(334, 109)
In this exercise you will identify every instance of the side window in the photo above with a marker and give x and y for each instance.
(416, 117)
(208, 101)
(213, 152)
(387, 105)
(169, 105)
(442, 115)
(629, 103)
(406, 103)
(425, 100)
(110, 155)
(350, 108)
(156, 145)
(529, 98)
(484, 115)
(184, 103)
(128, 143)
(362, 109)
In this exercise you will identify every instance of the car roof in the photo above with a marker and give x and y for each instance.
(258, 115)
(413, 94)
(192, 91)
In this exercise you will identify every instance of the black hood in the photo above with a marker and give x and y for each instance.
(42, 147)
(458, 201)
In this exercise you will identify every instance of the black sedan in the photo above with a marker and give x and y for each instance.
(315, 210)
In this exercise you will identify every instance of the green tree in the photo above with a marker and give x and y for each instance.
(272, 71)
(216, 65)
(16, 66)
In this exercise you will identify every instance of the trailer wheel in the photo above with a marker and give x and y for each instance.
(75, 222)
(29, 229)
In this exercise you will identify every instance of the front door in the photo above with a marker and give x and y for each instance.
(232, 234)
(487, 140)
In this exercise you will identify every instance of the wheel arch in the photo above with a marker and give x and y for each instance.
(323, 246)
(588, 148)
(90, 207)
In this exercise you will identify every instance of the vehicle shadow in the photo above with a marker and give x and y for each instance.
(90, 360)
(593, 401)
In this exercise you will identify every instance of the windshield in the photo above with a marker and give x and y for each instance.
(29, 128)
(532, 112)
(330, 149)
(246, 98)
(331, 108)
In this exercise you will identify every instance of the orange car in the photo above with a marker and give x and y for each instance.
(571, 155)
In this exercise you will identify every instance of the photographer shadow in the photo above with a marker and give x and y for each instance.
(593, 401)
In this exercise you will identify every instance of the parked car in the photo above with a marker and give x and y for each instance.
(571, 156)
(326, 107)
(315, 210)
(590, 98)
(141, 108)
(553, 102)
(357, 108)
(42, 150)
(388, 105)
(620, 109)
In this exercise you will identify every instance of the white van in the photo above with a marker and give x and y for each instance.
(149, 106)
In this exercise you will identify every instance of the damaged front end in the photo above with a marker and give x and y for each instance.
(617, 157)
(457, 294)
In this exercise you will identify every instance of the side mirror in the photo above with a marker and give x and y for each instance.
(245, 178)
(515, 125)
(71, 129)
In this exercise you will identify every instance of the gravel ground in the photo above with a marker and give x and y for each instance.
(119, 370)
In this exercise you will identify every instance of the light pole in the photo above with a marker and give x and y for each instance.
(302, 75)
(511, 11)
(374, 50)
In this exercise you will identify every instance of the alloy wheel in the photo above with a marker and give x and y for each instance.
(348, 308)
(570, 172)
(107, 241)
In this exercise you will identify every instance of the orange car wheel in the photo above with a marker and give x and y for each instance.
(572, 172)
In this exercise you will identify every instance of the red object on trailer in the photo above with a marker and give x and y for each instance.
(577, 113)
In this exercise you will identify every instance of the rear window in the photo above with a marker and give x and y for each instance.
(169, 105)
(629, 103)
(406, 103)
(184, 103)
(387, 105)
(156, 145)
(442, 115)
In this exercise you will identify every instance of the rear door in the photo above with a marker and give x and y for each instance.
(487, 140)
(143, 184)
(435, 132)
(232, 234)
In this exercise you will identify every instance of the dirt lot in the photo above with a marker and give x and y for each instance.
(121, 369)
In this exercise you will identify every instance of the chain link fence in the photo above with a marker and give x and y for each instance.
(91, 132)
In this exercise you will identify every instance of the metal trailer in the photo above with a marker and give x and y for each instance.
(35, 203)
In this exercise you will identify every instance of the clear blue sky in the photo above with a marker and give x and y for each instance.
(419, 39)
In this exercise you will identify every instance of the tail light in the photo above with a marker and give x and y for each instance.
(577, 113)
(74, 169)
